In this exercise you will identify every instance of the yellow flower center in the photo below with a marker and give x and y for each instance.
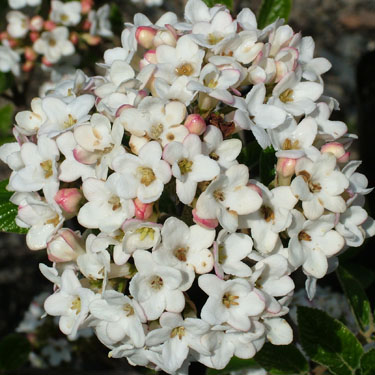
(230, 300)
(184, 70)
(47, 168)
(185, 166)
(76, 305)
(147, 175)
(179, 332)
(144, 232)
(156, 282)
(286, 96)
(129, 311)
(70, 121)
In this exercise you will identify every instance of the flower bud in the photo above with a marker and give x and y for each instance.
(34, 36)
(86, 6)
(86, 25)
(74, 38)
(206, 223)
(69, 200)
(165, 37)
(28, 66)
(65, 246)
(338, 150)
(91, 40)
(143, 211)
(256, 188)
(30, 54)
(145, 36)
(49, 25)
(285, 167)
(36, 23)
(46, 62)
(4, 35)
(195, 124)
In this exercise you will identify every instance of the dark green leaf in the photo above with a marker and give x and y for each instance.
(6, 115)
(234, 364)
(282, 360)
(250, 154)
(328, 342)
(356, 297)
(6, 80)
(14, 351)
(363, 274)
(8, 211)
(227, 3)
(7, 139)
(368, 363)
(271, 10)
(267, 165)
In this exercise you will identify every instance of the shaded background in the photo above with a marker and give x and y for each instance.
(344, 32)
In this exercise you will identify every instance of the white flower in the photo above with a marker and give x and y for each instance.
(319, 186)
(229, 251)
(272, 218)
(62, 116)
(54, 44)
(18, 24)
(232, 302)
(177, 336)
(312, 242)
(18, 4)
(70, 302)
(67, 14)
(189, 166)
(9, 60)
(156, 287)
(108, 204)
(145, 174)
(29, 122)
(100, 23)
(120, 317)
(186, 249)
(227, 197)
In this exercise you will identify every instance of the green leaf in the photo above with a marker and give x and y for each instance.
(14, 351)
(271, 10)
(357, 298)
(8, 211)
(6, 80)
(328, 342)
(267, 165)
(235, 364)
(282, 360)
(250, 154)
(362, 274)
(368, 363)
(6, 116)
(227, 3)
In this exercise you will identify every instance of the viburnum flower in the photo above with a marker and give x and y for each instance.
(18, 4)
(9, 60)
(227, 197)
(17, 24)
(67, 14)
(29, 122)
(100, 23)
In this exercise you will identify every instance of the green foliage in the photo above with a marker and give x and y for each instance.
(8, 211)
(6, 116)
(368, 363)
(14, 351)
(271, 10)
(356, 297)
(267, 165)
(227, 3)
(362, 274)
(328, 342)
(282, 360)
(6, 80)
(235, 364)
(250, 154)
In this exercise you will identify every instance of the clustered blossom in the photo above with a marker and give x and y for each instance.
(145, 158)
(30, 39)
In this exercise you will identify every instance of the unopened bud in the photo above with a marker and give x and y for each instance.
(49, 25)
(30, 54)
(206, 223)
(36, 23)
(195, 124)
(65, 246)
(143, 211)
(28, 66)
(74, 38)
(86, 25)
(285, 167)
(91, 40)
(4, 35)
(69, 200)
(338, 150)
(34, 36)
(145, 36)
(86, 6)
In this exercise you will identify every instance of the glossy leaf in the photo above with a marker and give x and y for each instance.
(329, 342)
(271, 10)
(368, 363)
(227, 3)
(6, 115)
(235, 364)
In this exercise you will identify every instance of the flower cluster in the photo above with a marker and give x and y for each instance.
(30, 38)
(179, 256)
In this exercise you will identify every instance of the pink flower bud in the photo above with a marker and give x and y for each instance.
(30, 54)
(49, 25)
(28, 66)
(36, 23)
(46, 62)
(195, 124)
(285, 167)
(256, 188)
(4, 35)
(91, 40)
(121, 109)
(65, 246)
(206, 223)
(69, 200)
(145, 36)
(143, 211)
(336, 149)
(34, 36)
(150, 56)
(86, 25)
(74, 38)
(86, 6)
